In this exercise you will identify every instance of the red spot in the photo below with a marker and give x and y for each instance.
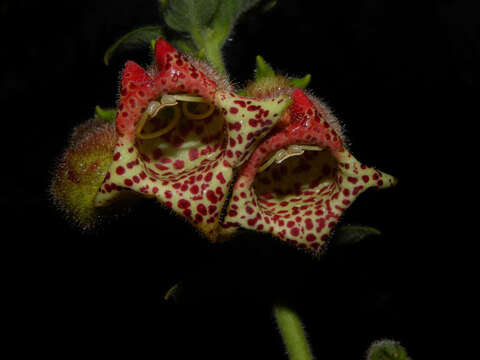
(221, 178)
(309, 224)
(120, 170)
(161, 167)
(183, 204)
(365, 178)
(211, 209)
(233, 110)
(357, 189)
(116, 156)
(168, 194)
(193, 154)
(208, 177)
(352, 180)
(249, 210)
(211, 196)
(295, 231)
(128, 182)
(194, 189)
(310, 237)
(240, 102)
(202, 209)
(178, 164)
(235, 126)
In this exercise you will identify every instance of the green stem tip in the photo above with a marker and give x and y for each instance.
(293, 333)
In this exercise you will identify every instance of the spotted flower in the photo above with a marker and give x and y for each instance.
(300, 179)
(181, 133)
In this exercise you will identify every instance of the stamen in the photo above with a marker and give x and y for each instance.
(283, 154)
(171, 100)
(189, 98)
(152, 110)
(194, 116)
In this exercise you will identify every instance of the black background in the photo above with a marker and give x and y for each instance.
(400, 76)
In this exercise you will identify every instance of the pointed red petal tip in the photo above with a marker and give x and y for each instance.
(135, 92)
(177, 75)
(162, 49)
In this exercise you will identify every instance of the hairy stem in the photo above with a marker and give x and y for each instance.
(293, 334)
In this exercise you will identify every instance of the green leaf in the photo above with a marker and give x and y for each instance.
(106, 115)
(351, 234)
(387, 350)
(226, 15)
(142, 36)
(263, 69)
(189, 15)
(301, 83)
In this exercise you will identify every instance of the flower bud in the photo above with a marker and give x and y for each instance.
(80, 171)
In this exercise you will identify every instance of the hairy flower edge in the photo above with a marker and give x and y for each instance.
(300, 179)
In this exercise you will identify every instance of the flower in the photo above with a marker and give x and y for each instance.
(181, 132)
(300, 179)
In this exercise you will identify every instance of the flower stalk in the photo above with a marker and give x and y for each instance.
(293, 333)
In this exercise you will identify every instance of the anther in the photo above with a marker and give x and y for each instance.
(283, 154)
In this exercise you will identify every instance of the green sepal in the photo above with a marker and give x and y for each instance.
(301, 83)
(105, 115)
(262, 69)
(351, 234)
(387, 350)
(138, 37)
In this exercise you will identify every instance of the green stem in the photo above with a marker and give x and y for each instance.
(206, 41)
(293, 334)
(214, 56)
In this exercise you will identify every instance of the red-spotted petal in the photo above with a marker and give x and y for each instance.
(190, 167)
(301, 198)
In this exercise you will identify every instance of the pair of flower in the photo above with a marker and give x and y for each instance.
(184, 136)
